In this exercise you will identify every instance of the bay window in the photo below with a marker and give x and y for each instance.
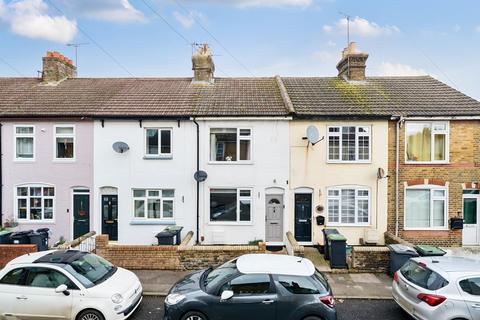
(348, 205)
(24, 142)
(426, 141)
(153, 203)
(426, 207)
(349, 143)
(35, 203)
(230, 205)
(64, 142)
(230, 144)
(158, 142)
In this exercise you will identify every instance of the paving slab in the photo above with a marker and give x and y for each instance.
(360, 285)
(158, 282)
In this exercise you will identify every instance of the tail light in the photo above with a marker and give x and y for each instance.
(432, 300)
(395, 277)
(328, 301)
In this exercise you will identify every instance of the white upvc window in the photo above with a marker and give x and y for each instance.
(64, 141)
(24, 142)
(427, 142)
(231, 205)
(426, 207)
(348, 205)
(153, 203)
(158, 142)
(230, 144)
(349, 144)
(35, 203)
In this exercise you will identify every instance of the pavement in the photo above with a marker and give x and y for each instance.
(356, 309)
(344, 285)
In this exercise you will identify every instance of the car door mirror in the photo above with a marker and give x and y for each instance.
(226, 295)
(62, 289)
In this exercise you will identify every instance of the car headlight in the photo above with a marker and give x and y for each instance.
(117, 298)
(174, 298)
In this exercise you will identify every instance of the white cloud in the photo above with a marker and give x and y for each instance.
(361, 27)
(477, 29)
(259, 3)
(398, 69)
(109, 10)
(331, 44)
(187, 21)
(326, 57)
(30, 18)
(456, 28)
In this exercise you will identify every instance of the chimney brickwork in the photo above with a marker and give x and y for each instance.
(203, 66)
(353, 63)
(57, 67)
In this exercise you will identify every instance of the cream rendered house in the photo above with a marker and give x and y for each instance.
(342, 176)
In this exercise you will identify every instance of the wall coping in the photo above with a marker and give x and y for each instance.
(370, 249)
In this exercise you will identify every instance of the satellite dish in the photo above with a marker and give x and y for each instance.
(120, 147)
(381, 173)
(313, 136)
(200, 176)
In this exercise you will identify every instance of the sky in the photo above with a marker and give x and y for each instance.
(153, 38)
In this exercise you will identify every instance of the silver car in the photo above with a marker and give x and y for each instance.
(440, 288)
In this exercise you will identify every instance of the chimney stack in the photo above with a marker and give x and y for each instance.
(57, 67)
(203, 66)
(353, 63)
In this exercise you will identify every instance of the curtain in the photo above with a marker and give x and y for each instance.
(25, 147)
(417, 208)
(419, 137)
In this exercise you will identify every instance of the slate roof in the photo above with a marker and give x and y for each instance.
(177, 97)
(378, 96)
(124, 97)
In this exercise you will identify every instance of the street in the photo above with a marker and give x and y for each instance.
(152, 309)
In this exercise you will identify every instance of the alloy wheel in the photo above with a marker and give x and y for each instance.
(90, 316)
(194, 318)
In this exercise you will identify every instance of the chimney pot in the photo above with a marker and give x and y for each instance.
(57, 67)
(353, 63)
(203, 66)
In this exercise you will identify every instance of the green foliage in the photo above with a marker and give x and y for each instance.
(254, 242)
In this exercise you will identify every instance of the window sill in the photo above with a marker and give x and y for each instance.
(427, 162)
(152, 222)
(348, 162)
(23, 222)
(24, 160)
(239, 224)
(427, 229)
(230, 163)
(352, 225)
(157, 157)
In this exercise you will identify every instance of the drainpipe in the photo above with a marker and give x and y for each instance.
(1, 178)
(198, 182)
(397, 162)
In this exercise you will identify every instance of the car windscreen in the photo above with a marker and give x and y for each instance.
(422, 276)
(220, 274)
(90, 269)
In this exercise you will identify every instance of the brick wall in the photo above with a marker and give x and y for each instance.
(370, 259)
(9, 252)
(463, 169)
(183, 257)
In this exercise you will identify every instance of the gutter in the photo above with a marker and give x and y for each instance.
(285, 97)
(242, 118)
(198, 182)
(397, 164)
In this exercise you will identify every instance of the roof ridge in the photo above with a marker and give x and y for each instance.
(284, 93)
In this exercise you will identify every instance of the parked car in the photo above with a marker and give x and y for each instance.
(444, 288)
(67, 285)
(259, 286)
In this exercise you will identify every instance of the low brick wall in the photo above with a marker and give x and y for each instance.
(392, 239)
(293, 248)
(182, 257)
(370, 259)
(9, 252)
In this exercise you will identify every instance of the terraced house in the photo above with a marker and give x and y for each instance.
(237, 160)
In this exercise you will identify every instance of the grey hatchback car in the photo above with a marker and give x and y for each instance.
(256, 286)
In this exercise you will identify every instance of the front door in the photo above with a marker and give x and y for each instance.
(81, 214)
(274, 218)
(110, 216)
(471, 219)
(303, 217)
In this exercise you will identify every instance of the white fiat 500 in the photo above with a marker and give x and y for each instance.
(67, 285)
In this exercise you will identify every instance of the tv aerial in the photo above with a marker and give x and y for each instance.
(313, 136)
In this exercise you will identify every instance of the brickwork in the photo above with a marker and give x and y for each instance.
(183, 257)
(9, 252)
(370, 259)
(460, 173)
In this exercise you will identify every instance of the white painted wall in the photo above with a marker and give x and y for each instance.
(269, 168)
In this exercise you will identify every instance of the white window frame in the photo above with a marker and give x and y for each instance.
(237, 222)
(239, 139)
(62, 135)
(432, 188)
(357, 134)
(159, 155)
(28, 196)
(434, 132)
(145, 199)
(357, 188)
(23, 135)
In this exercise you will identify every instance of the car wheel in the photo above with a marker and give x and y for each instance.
(90, 314)
(194, 315)
(312, 318)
